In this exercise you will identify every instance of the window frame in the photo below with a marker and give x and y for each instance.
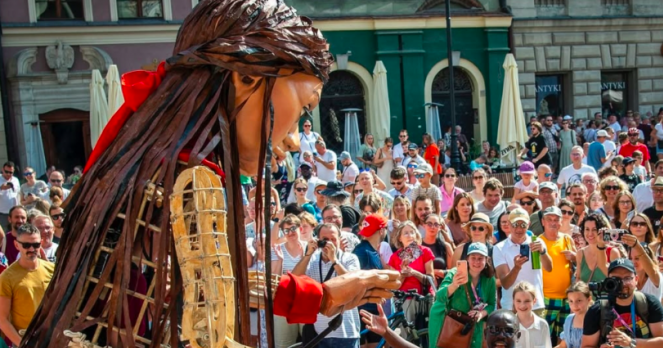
(87, 12)
(630, 90)
(565, 83)
(166, 8)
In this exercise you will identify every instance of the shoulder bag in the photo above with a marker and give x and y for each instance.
(457, 328)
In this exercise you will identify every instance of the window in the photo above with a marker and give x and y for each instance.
(127, 9)
(550, 92)
(59, 9)
(615, 92)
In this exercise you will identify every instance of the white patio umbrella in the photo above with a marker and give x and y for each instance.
(351, 137)
(98, 106)
(380, 123)
(35, 147)
(433, 121)
(512, 131)
(115, 97)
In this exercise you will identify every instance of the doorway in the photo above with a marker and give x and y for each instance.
(66, 137)
(463, 90)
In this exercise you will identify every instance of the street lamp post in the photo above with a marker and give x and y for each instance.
(455, 155)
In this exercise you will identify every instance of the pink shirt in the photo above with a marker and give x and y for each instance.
(448, 200)
(418, 265)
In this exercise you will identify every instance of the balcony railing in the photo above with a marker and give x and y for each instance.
(550, 8)
(616, 7)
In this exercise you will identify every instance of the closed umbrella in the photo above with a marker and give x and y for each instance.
(35, 147)
(351, 137)
(98, 106)
(380, 123)
(512, 131)
(115, 97)
(433, 121)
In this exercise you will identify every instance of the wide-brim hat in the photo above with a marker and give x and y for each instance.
(334, 188)
(478, 218)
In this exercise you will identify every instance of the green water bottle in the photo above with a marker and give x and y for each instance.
(536, 262)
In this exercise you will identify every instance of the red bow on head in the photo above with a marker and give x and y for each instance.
(136, 87)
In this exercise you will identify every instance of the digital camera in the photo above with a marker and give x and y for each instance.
(611, 286)
(322, 243)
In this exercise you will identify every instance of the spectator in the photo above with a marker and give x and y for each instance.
(610, 187)
(655, 212)
(641, 228)
(597, 154)
(367, 153)
(573, 173)
(454, 294)
(624, 208)
(479, 178)
(350, 169)
(561, 249)
(648, 331)
(527, 184)
(448, 189)
(307, 139)
(590, 180)
(414, 269)
(566, 227)
(309, 223)
(492, 205)
(577, 193)
(413, 156)
(609, 144)
(323, 264)
(537, 146)
(543, 174)
(639, 169)
(503, 228)
(55, 179)
(301, 188)
(401, 149)
(56, 196)
(424, 174)
(657, 134)
(432, 156)
(646, 268)
(402, 211)
(460, 214)
(643, 193)
(590, 132)
(534, 331)
(32, 189)
(512, 268)
(251, 228)
(23, 284)
(633, 145)
(366, 182)
(629, 177)
(57, 216)
(325, 161)
(462, 139)
(579, 298)
(344, 217)
(399, 183)
(9, 192)
(384, 161)
(551, 137)
(568, 139)
(45, 226)
(421, 207)
(595, 253)
(17, 217)
(306, 172)
(443, 251)
(548, 195)
(75, 176)
(594, 202)
(529, 203)
(477, 230)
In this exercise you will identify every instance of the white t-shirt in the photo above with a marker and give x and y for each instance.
(289, 262)
(350, 173)
(643, 196)
(503, 254)
(609, 145)
(659, 131)
(324, 173)
(350, 326)
(418, 160)
(533, 186)
(399, 152)
(569, 175)
(617, 128)
(535, 336)
(385, 251)
(650, 288)
(307, 142)
(9, 197)
(640, 171)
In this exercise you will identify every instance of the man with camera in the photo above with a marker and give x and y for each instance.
(322, 261)
(628, 318)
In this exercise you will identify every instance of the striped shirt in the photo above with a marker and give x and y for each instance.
(289, 262)
(350, 326)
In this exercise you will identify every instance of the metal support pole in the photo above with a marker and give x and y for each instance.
(455, 155)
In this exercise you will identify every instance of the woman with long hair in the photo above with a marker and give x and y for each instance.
(449, 190)
(595, 201)
(568, 209)
(442, 250)
(624, 205)
(57, 215)
(503, 228)
(593, 259)
(367, 152)
(477, 230)
(432, 157)
(460, 213)
(646, 266)
(309, 223)
(400, 212)
(529, 203)
(610, 187)
(365, 182)
(32, 189)
(641, 228)
(300, 186)
(384, 161)
(479, 177)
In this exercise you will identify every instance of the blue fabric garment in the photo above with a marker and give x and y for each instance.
(369, 258)
(572, 336)
(595, 153)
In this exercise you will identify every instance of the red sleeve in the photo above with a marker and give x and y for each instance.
(395, 260)
(427, 254)
(308, 294)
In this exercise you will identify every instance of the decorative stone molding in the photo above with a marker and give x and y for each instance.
(60, 58)
(21, 63)
(96, 57)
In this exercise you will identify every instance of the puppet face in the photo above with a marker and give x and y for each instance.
(501, 329)
(291, 94)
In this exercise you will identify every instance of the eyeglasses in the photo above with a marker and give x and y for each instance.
(332, 218)
(519, 224)
(612, 187)
(58, 216)
(301, 189)
(358, 192)
(307, 125)
(478, 178)
(589, 182)
(57, 181)
(624, 202)
(28, 173)
(290, 230)
(402, 136)
(396, 183)
(506, 331)
(420, 176)
(567, 212)
(30, 245)
(526, 202)
(449, 175)
(626, 279)
(638, 224)
(318, 192)
(433, 224)
(477, 228)
(8, 172)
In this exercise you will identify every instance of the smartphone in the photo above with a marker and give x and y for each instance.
(524, 250)
(462, 267)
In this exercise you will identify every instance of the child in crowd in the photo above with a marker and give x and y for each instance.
(628, 176)
(534, 331)
(527, 182)
(639, 169)
(579, 298)
(424, 174)
(616, 163)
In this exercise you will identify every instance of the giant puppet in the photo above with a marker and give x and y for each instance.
(153, 254)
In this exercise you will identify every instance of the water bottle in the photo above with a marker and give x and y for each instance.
(536, 261)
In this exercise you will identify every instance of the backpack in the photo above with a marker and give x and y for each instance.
(641, 309)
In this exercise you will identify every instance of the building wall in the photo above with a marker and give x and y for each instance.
(582, 39)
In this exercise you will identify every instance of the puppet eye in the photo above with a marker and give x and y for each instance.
(247, 80)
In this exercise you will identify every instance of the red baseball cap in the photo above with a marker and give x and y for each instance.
(633, 130)
(372, 224)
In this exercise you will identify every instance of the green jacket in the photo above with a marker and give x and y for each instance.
(458, 301)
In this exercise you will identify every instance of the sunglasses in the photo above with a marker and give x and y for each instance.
(567, 212)
(519, 224)
(364, 170)
(477, 228)
(638, 223)
(402, 136)
(358, 192)
(290, 230)
(307, 125)
(30, 245)
(506, 331)
(526, 202)
(58, 216)
(57, 181)
(624, 202)
(419, 176)
(547, 175)
(396, 183)
(449, 175)
(301, 189)
(8, 172)
(318, 192)
(612, 187)
(433, 224)
(478, 178)
(28, 173)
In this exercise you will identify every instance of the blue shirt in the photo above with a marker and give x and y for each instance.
(595, 153)
(369, 258)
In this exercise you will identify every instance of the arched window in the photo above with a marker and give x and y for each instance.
(343, 91)
(463, 90)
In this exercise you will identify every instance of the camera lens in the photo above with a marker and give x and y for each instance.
(612, 285)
